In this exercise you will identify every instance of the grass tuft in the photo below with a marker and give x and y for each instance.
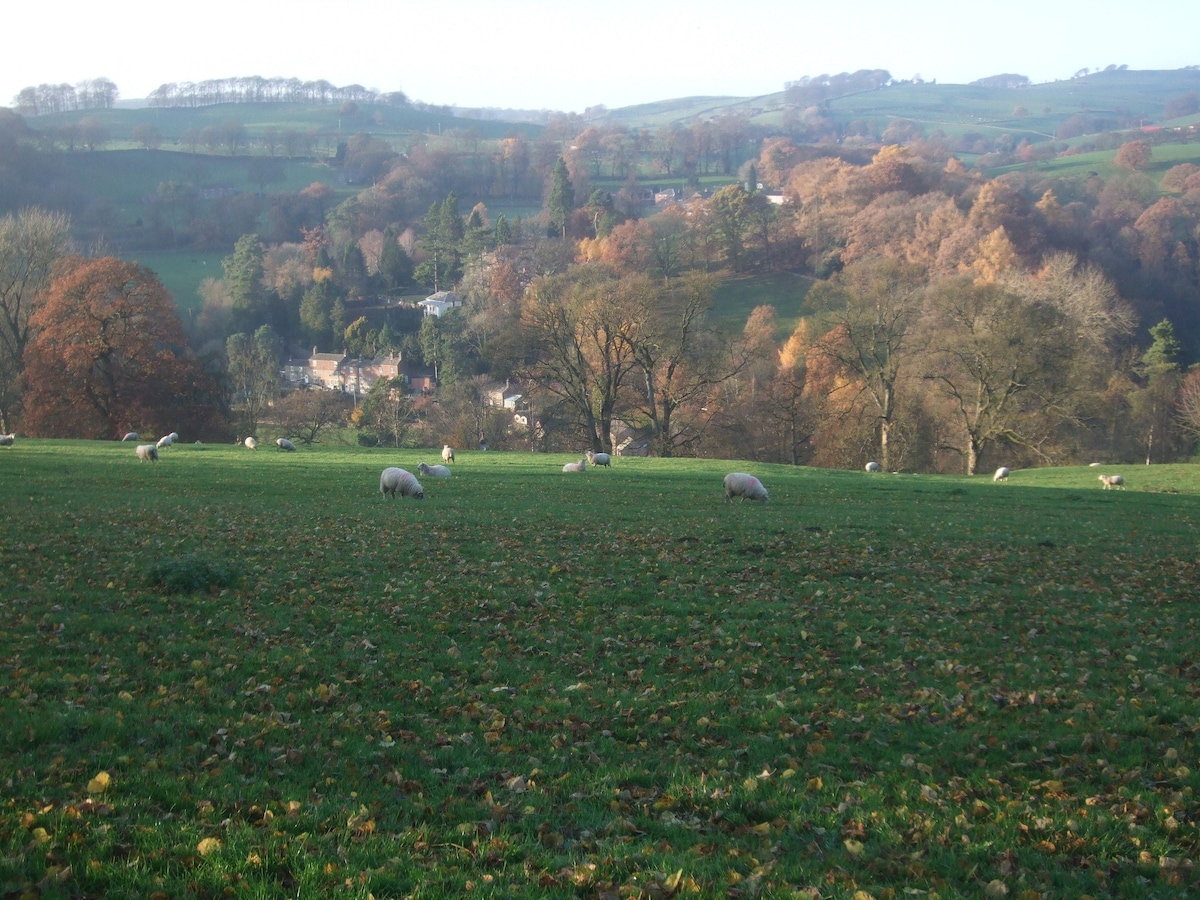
(191, 574)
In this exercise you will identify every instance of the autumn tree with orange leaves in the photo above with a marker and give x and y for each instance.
(109, 356)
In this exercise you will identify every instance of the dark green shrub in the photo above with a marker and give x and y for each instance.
(191, 574)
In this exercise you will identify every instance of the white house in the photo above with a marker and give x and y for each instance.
(440, 302)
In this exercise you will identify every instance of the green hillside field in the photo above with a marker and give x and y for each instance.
(236, 673)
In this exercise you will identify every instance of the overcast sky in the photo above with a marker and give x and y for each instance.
(564, 55)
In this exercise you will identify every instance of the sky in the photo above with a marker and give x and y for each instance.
(568, 56)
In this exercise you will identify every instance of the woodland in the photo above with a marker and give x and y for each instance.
(822, 277)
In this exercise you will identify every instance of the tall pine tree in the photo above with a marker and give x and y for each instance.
(561, 202)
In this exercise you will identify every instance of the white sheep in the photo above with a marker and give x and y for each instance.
(174, 436)
(873, 467)
(599, 459)
(284, 444)
(433, 471)
(1002, 474)
(1113, 481)
(147, 452)
(447, 454)
(130, 436)
(739, 484)
(251, 443)
(164, 442)
(393, 480)
(580, 466)
(6, 440)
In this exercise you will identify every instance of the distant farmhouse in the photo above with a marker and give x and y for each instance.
(353, 375)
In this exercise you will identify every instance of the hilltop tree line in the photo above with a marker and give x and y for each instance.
(256, 89)
(44, 99)
(102, 93)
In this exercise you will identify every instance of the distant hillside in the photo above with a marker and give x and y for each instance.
(1110, 99)
(324, 120)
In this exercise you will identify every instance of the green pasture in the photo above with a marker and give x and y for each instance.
(247, 674)
(1101, 162)
(181, 272)
(737, 297)
(124, 179)
(323, 120)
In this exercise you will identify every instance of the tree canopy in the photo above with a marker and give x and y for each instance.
(109, 356)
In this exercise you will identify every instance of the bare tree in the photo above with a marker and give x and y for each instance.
(1187, 404)
(680, 361)
(305, 414)
(1006, 364)
(871, 310)
(31, 242)
(584, 326)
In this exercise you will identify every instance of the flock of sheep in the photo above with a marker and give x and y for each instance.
(1002, 473)
(395, 480)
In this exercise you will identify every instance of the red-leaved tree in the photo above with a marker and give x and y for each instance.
(109, 356)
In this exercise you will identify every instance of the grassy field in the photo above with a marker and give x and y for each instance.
(125, 178)
(236, 674)
(737, 297)
(1101, 162)
(387, 122)
(181, 272)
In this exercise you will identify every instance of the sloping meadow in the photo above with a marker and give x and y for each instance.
(235, 673)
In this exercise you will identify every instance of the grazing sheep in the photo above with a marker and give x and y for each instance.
(1113, 481)
(147, 452)
(1093, 465)
(433, 471)
(6, 440)
(447, 454)
(164, 442)
(580, 466)
(599, 459)
(174, 436)
(739, 484)
(393, 480)
(873, 467)
(284, 444)
(1002, 474)
(251, 443)
(131, 436)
